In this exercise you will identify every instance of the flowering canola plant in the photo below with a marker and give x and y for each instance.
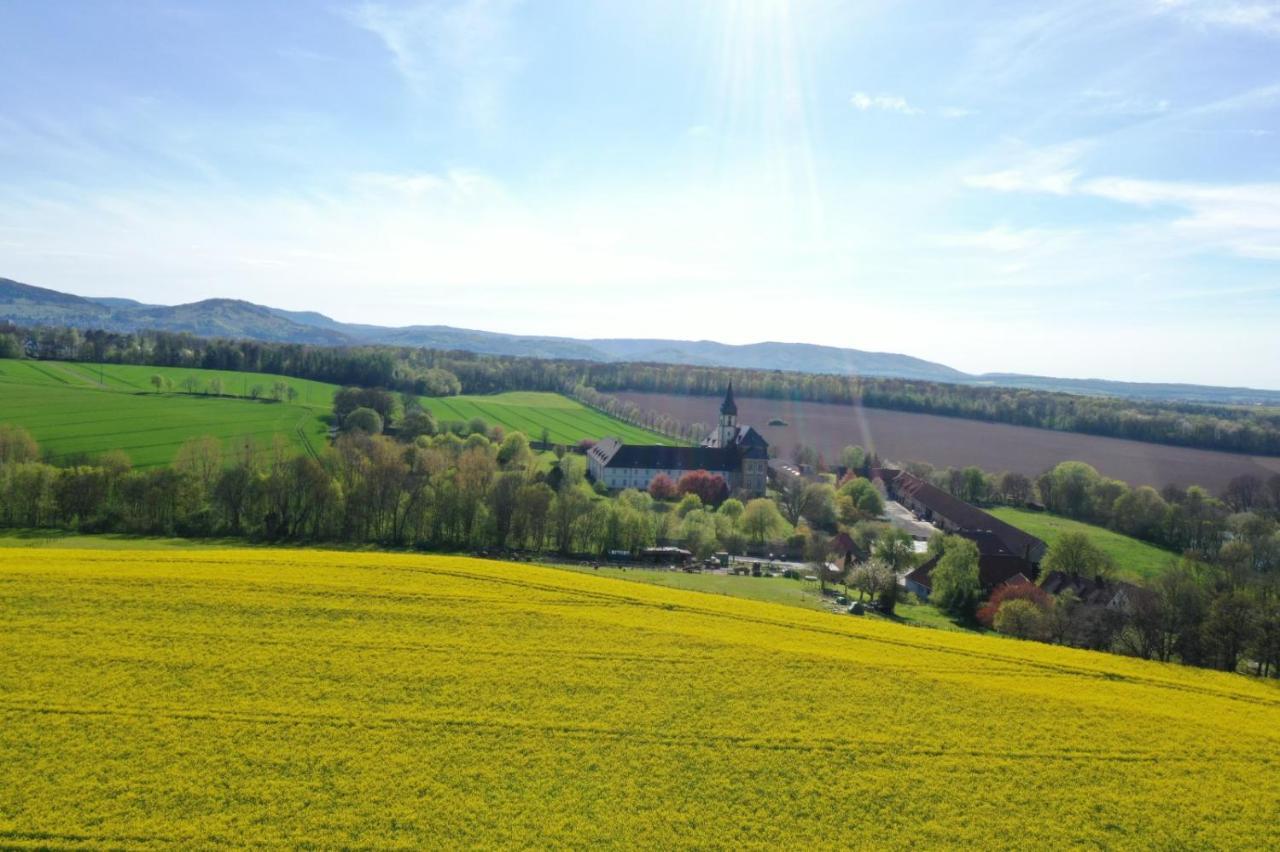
(290, 697)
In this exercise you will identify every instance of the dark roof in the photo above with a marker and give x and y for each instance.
(1090, 591)
(844, 543)
(989, 543)
(729, 406)
(993, 570)
(613, 453)
(966, 516)
(748, 442)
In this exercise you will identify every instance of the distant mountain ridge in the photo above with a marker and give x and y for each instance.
(25, 304)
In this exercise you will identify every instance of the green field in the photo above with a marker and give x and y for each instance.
(566, 420)
(1135, 560)
(74, 409)
(316, 699)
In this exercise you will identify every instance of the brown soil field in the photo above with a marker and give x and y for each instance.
(953, 442)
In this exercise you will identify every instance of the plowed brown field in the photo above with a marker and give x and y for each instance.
(953, 442)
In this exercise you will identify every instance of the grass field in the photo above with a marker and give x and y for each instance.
(566, 420)
(307, 698)
(778, 590)
(74, 409)
(1135, 560)
(88, 409)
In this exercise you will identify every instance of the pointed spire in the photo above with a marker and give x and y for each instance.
(729, 406)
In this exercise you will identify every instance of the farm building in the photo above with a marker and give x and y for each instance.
(994, 570)
(738, 453)
(1109, 594)
(957, 517)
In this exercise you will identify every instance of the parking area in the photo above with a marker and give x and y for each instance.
(900, 516)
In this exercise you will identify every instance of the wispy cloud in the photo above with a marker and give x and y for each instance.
(1116, 102)
(1260, 16)
(1050, 170)
(865, 102)
(450, 48)
(1243, 219)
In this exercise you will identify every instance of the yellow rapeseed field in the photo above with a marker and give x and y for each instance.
(256, 697)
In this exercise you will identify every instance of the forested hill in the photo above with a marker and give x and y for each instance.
(26, 305)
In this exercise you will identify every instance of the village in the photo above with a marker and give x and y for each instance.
(835, 563)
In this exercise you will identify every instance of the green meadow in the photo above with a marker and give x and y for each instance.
(1135, 560)
(88, 409)
(565, 420)
(75, 409)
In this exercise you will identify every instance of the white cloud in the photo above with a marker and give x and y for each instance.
(1260, 16)
(459, 48)
(883, 103)
(1051, 170)
(1002, 239)
(1241, 219)
(1113, 102)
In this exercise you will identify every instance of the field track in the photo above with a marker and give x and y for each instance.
(953, 442)
(250, 697)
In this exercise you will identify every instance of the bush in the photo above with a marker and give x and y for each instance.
(1021, 619)
(1025, 592)
(710, 487)
(955, 579)
(363, 419)
(661, 487)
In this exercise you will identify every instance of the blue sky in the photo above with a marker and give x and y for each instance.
(1075, 189)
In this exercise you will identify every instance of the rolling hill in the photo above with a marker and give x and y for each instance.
(75, 410)
(287, 698)
(28, 305)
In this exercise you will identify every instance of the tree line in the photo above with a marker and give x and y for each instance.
(466, 488)
(437, 373)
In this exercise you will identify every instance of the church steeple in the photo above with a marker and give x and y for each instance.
(728, 431)
(729, 406)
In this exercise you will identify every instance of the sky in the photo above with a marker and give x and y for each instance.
(1082, 189)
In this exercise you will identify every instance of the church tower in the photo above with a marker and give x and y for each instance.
(728, 419)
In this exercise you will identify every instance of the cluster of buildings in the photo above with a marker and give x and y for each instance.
(740, 454)
(1006, 554)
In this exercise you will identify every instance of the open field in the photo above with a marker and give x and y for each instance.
(566, 420)
(88, 409)
(1135, 560)
(287, 698)
(953, 442)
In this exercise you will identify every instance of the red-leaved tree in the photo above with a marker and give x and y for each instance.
(1021, 592)
(661, 487)
(710, 487)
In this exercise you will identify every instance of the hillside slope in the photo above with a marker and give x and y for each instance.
(1134, 560)
(87, 409)
(304, 698)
